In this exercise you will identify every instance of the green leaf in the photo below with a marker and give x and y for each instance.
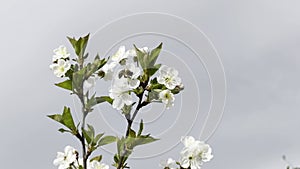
(143, 139)
(62, 130)
(106, 140)
(97, 138)
(65, 85)
(142, 57)
(141, 127)
(97, 158)
(87, 136)
(56, 117)
(127, 109)
(104, 99)
(153, 55)
(152, 70)
(79, 45)
(68, 119)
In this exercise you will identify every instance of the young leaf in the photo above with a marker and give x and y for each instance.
(87, 136)
(68, 119)
(144, 139)
(65, 84)
(153, 55)
(106, 140)
(79, 45)
(104, 99)
(97, 158)
(97, 138)
(62, 130)
(152, 70)
(142, 58)
(56, 117)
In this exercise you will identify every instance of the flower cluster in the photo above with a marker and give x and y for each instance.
(193, 155)
(69, 160)
(60, 61)
(127, 78)
(136, 81)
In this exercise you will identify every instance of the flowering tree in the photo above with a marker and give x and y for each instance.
(137, 81)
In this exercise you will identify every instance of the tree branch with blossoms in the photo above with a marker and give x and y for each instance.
(136, 81)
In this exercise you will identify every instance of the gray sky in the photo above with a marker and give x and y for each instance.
(257, 40)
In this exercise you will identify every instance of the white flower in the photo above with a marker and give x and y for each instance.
(194, 153)
(120, 93)
(97, 165)
(63, 160)
(80, 162)
(131, 73)
(61, 67)
(60, 53)
(119, 55)
(169, 163)
(167, 97)
(89, 83)
(169, 77)
(108, 69)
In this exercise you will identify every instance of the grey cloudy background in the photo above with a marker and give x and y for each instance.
(258, 42)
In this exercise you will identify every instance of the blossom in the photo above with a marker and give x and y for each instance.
(169, 164)
(108, 69)
(119, 55)
(89, 83)
(97, 165)
(167, 97)
(60, 68)
(120, 92)
(80, 163)
(63, 160)
(60, 53)
(169, 77)
(131, 73)
(194, 153)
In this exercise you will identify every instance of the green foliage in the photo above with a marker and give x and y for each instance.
(65, 119)
(67, 84)
(97, 158)
(148, 60)
(154, 55)
(107, 140)
(125, 145)
(104, 99)
(79, 45)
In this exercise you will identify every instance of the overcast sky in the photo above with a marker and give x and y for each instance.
(258, 43)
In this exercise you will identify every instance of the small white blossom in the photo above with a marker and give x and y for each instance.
(60, 68)
(119, 55)
(108, 69)
(60, 53)
(80, 162)
(194, 153)
(89, 83)
(120, 92)
(131, 73)
(167, 97)
(97, 165)
(169, 77)
(169, 163)
(63, 160)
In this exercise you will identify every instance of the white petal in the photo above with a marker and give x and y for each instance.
(118, 104)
